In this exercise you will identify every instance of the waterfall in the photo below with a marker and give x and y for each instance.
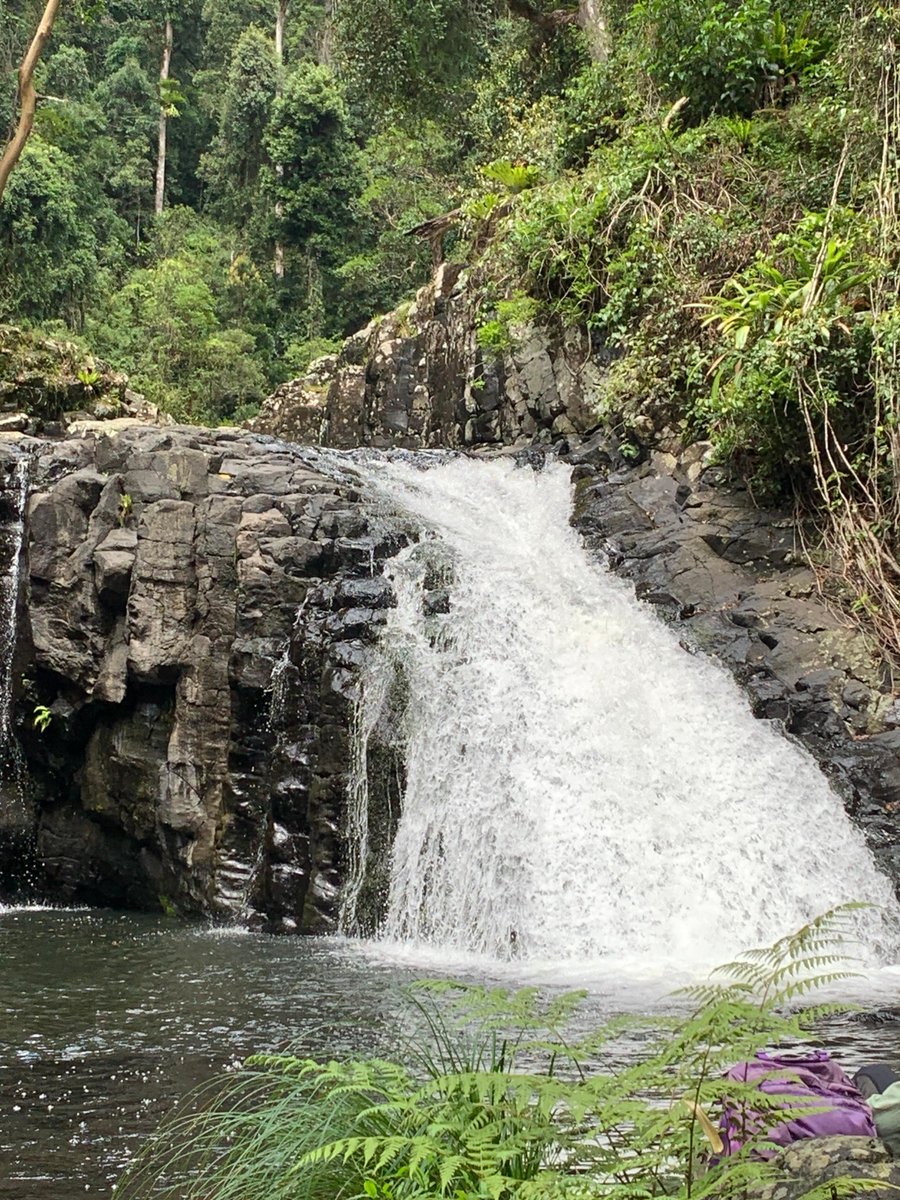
(577, 786)
(10, 754)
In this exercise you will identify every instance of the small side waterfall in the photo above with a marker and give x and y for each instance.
(17, 496)
(577, 786)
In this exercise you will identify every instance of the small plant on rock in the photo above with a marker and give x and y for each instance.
(88, 377)
(499, 333)
(41, 718)
(515, 177)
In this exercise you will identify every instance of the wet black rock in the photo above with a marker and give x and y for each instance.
(731, 578)
(197, 741)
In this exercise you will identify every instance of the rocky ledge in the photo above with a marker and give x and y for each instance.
(830, 1166)
(192, 605)
(419, 378)
(731, 578)
(48, 386)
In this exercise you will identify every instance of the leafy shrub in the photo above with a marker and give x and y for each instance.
(481, 208)
(299, 355)
(726, 56)
(819, 270)
(499, 333)
(797, 312)
(594, 106)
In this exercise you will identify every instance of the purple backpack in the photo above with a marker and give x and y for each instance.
(803, 1081)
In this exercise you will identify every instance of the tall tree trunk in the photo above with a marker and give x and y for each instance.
(160, 197)
(589, 15)
(592, 19)
(279, 167)
(280, 18)
(27, 95)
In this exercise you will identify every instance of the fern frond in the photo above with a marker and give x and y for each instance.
(496, 1102)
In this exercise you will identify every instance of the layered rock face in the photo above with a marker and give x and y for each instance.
(418, 378)
(729, 575)
(732, 580)
(164, 575)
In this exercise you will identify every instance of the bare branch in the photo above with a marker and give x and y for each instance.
(27, 95)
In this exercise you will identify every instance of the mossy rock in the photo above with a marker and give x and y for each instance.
(45, 377)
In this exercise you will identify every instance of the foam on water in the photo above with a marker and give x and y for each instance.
(580, 791)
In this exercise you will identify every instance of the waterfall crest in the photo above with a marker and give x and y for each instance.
(577, 786)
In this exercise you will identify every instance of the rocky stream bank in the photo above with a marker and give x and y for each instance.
(196, 729)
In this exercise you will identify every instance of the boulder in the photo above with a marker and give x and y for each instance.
(819, 1162)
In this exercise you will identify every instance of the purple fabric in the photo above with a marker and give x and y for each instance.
(810, 1080)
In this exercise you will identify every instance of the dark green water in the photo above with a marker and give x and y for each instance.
(106, 1018)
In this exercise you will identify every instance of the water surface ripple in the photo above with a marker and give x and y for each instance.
(106, 1019)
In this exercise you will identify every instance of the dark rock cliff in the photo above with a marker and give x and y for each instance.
(418, 378)
(196, 741)
(730, 576)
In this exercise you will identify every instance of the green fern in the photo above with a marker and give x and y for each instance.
(515, 177)
(498, 1103)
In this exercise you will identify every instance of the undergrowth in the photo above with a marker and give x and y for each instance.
(718, 217)
(494, 1099)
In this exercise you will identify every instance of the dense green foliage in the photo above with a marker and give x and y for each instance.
(716, 206)
(291, 178)
(712, 200)
(496, 1097)
(261, 154)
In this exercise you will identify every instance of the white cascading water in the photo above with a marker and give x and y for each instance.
(578, 787)
(9, 596)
